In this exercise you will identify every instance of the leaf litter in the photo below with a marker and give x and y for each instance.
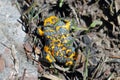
(97, 37)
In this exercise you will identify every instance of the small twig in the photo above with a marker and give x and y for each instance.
(13, 53)
(112, 56)
(32, 58)
(5, 45)
(23, 76)
(60, 68)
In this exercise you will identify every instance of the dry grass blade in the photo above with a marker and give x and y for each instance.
(51, 77)
(86, 66)
(39, 11)
(16, 61)
(30, 8)
(117, 6)
(99, 67)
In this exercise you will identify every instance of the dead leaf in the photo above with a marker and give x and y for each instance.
(37, 50)
(28, 47)
(80, 58)
(40, 69)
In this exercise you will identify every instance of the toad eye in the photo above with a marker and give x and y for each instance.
(47, 23)
(50, 20)
(54, 20)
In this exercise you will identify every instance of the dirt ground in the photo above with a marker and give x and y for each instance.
(96, 33)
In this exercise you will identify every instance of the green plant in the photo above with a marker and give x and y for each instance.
(87, 29)
(61, 3)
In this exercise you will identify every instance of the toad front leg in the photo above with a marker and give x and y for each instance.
(48, 55)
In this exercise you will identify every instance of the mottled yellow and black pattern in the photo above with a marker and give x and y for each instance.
(56, 34)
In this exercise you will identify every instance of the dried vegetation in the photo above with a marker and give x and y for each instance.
(96, 32)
